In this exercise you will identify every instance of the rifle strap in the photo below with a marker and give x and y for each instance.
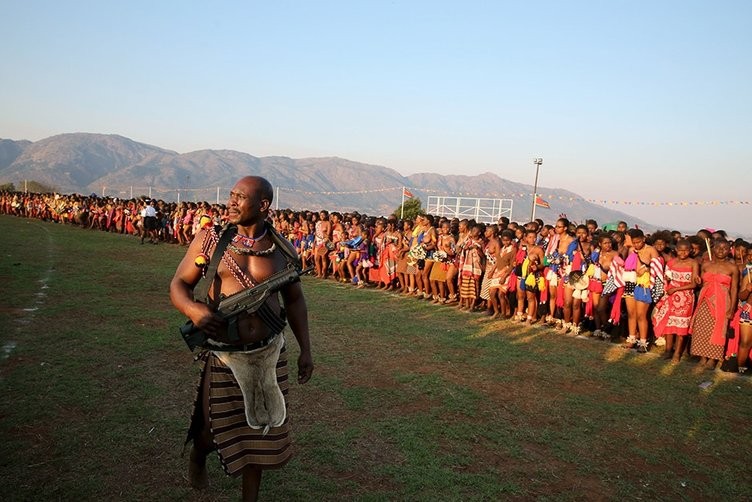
(201, 291)
(275, 323)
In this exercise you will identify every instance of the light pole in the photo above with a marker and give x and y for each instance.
(537, 161)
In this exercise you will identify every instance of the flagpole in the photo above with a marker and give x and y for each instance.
(537, 161)
(402, 206)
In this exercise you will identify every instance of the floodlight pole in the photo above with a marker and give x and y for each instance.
(537, 161)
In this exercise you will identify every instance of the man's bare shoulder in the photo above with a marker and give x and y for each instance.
(205, 236)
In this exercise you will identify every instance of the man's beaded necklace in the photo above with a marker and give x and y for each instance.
(245, 280)
(246, 241)
(250, 252)
(247, 244)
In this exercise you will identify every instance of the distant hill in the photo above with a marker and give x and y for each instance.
(10, 150)
(86, 163)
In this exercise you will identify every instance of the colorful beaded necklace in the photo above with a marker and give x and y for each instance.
(247, 241)
(247, 244)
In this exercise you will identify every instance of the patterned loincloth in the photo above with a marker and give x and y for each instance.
(237, 444)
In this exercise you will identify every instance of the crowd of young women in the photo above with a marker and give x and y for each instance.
(689, 294)
(176, 222)
(666, 288)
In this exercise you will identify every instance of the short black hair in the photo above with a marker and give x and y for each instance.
(636, 233)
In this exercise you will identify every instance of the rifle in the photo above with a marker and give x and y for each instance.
(249, 300)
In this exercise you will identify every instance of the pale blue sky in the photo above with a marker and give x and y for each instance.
(625, 100)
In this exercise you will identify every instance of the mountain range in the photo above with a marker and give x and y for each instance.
(117, 166)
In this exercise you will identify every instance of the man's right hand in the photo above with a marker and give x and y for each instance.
(305, 367)
(206, 320)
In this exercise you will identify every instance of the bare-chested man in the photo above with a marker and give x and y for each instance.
(251, 256)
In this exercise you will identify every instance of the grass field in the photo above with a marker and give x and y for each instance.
(408, 401)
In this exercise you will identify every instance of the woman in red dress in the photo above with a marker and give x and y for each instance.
(715, 307)
(673, 312)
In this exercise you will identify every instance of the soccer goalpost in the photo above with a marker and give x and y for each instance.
(478, 209)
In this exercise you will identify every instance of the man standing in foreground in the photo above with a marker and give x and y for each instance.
(240, 410)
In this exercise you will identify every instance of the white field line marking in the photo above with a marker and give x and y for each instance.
(30, 311)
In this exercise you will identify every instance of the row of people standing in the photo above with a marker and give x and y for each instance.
(562, 275)
(157, 220)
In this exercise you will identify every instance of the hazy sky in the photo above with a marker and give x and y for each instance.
(624, 100)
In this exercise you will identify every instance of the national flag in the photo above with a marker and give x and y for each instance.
(541, 203)
(407, 193)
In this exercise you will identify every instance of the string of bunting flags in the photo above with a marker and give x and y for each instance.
(350, 192)
(542, 198)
